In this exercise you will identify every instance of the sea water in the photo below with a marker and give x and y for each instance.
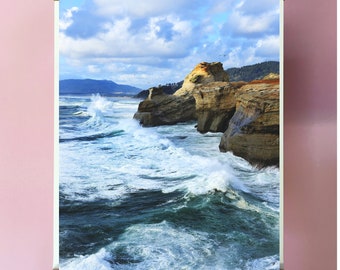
(160, 197)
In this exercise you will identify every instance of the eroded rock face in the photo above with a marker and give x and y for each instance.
(215, 105)
(247, 113)
(161, 109)
(203, 73)
(253, 131)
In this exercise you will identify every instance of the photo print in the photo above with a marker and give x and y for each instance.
(169, 134)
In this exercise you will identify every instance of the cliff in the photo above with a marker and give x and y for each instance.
(215, 105)
(203, 73)
(162, 109)
(253, 131)
(247, 113)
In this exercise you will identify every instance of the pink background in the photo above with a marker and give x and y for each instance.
(310, 135)
(26, 135)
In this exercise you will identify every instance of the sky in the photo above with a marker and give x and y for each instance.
(151, 42)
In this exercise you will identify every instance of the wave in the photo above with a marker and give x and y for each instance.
(98, 261)
(163, 246)
(136, 156)
(94, 137)
(150, 246)
(266, 263)
(94, 120)
(99, 105)
(122, 181)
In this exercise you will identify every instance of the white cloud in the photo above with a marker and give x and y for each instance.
(268, 47)
(258, 7)
(93, 68)
(152, 42)
(117, 41)
(257, 51)
(66, 20)
(221, 6)
(135, 8)
(253, 19)
(233, 58)
(249, 24)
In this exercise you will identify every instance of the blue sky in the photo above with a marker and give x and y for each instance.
(152, 42)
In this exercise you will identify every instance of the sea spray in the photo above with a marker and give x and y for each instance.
(99, 106)
(158, 198)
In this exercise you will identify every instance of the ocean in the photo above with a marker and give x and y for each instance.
(160, 197)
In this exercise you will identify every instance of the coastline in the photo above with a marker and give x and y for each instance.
(247, 113)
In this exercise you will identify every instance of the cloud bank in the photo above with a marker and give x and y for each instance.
(150, 42)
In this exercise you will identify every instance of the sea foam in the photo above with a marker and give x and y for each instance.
(159, 161)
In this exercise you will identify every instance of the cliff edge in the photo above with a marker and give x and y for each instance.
(253, 131)
(246, 112)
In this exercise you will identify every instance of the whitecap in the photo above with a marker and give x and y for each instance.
(266, 263)
(96, 261)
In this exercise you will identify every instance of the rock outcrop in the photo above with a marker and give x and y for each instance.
(215, 105)
(271, 76)
(161, 109)
(247, 113)
(253, 131)
(203, 73)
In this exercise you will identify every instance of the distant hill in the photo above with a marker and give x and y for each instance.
(88, 86)
(253, 72)
(168, 88)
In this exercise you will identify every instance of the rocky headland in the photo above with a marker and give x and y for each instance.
(246, 112)
(253, 131)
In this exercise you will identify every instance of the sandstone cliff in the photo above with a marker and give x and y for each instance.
(253, 131)
(215, 105)
(161, 109)
(247, 113)
(203, 73)
(209, 84)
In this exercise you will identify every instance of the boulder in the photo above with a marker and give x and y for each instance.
(253, 131)
(161, 109)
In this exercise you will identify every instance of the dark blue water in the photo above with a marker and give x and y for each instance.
(158, 198)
